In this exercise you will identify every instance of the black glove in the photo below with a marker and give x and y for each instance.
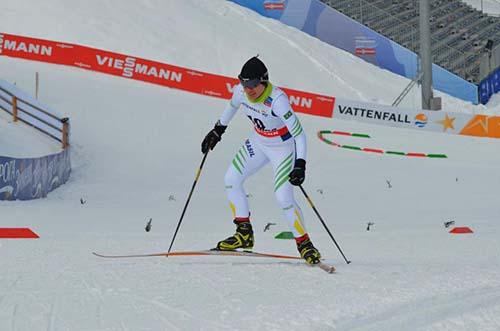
(213, 137)
(298, 173)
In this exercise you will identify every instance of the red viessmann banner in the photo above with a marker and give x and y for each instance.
(146, 70)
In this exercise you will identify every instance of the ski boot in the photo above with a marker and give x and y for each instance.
(307, 251)
(243, 238)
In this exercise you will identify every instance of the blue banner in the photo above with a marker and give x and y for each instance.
(33, 178)
(489, 86)
(334, 28)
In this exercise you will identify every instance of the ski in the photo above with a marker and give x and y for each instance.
(326, 267)
(205, 252)
(323, 266)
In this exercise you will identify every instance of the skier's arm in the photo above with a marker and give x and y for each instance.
(232, 106)
(214, 136)
(282, 109)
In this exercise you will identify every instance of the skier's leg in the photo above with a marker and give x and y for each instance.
(247, 161)
(282, 159)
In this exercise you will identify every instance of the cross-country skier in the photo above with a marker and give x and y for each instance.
(279, 139)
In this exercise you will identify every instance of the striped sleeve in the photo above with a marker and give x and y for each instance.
(282, 109)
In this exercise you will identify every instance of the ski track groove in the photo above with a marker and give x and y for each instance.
(96, 292)
(168, 325)
(134, 298)
(10, 288)
(52, 313)
(209, 283)
(426, 311)
(165, 307)
(14, 314)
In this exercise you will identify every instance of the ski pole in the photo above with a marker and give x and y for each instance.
(322, 222)
(189, 198)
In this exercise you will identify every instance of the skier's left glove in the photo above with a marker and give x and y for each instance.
(298, 173)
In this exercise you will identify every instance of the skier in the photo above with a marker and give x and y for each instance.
(279, 139)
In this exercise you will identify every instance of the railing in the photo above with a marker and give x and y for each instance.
(407, 89)
(36, 117)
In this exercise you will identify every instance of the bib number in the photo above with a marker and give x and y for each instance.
(257, 122)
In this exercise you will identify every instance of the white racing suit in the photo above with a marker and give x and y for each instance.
(278, 139)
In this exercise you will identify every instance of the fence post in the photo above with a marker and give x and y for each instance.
(14, 108)
(65, 132)
(36, 85)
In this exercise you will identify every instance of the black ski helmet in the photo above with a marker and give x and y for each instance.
(254, 72)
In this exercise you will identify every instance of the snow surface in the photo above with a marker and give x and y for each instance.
(20, 140)
(136, 149)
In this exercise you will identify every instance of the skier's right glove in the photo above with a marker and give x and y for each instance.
(213, 137)
(298, 173)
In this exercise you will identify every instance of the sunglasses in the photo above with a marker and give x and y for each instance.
(249, 83)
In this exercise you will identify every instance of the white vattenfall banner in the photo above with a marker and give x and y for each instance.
(427, 120)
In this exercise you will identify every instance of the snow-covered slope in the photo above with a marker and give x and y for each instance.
(212, 39)
(136, 149)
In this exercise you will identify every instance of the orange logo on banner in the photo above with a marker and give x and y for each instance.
(447, 123)
(483, 126)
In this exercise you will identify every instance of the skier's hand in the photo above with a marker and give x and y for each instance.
(298, 173)
(212, 138)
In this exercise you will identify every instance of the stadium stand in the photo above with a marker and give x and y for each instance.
(460, 34)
